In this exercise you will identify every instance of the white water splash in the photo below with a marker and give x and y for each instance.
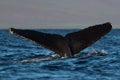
(95, 52)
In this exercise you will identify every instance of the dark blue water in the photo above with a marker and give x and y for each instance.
(21, 59)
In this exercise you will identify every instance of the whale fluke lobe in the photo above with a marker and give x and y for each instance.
(84, 38)
(69, 45)
(54, 42)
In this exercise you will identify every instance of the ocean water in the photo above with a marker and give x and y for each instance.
(20, 59)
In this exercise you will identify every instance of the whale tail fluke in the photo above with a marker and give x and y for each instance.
(69, 45)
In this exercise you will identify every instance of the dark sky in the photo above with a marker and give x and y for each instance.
(58, 13)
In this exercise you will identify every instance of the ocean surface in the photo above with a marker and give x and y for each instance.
(21, 59)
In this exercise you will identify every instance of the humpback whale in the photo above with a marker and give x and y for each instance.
(68, 45)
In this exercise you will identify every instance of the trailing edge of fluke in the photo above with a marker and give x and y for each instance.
(71, 43)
